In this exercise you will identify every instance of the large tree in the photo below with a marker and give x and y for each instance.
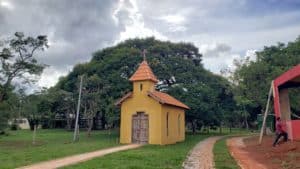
(177, 66)
(92, 99)
(63, 106)
(18, 60)
(252, 78)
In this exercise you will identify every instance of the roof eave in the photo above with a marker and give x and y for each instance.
(155, 97)
(162, 102)
(185, 108)
(120, 101)
(135, 80)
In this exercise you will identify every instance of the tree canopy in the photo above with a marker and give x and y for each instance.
(17, 61)
(252, 78)
(177, 66)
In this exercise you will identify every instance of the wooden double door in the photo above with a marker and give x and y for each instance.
(140, 128)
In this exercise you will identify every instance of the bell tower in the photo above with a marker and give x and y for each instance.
(143, 79)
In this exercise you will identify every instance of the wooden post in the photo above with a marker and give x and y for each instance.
(266, 114)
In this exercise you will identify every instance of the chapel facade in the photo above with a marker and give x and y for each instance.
(149, 116)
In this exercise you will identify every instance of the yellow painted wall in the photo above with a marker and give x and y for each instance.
(176, 127)
(147, 86)
(141, 102)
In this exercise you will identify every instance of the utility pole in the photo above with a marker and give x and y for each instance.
(266, 113)
(76, 129)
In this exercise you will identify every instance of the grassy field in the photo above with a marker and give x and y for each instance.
(147, 157)
(152, 156)
(16, 148)
(222, 157)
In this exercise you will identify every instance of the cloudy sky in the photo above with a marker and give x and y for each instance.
(223, 30)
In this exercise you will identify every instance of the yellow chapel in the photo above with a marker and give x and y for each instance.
(149, 116)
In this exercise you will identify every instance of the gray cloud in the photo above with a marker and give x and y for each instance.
(223, 30)
(75, 28)
(239, 25)
(218, 18)
(215, 50)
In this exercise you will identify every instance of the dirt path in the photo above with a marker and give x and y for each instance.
(249, 154)
(201, 156)
(52, 164)
(237, 150)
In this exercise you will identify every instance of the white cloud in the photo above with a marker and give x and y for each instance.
(217, 56)
(173, 19)
(177, 28)
(251, 54)
(116, 11)
(175, 23)
(7, 5)
(138, 29)
(50, 76)
(135, 26)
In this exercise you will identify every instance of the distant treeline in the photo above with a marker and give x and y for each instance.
(232, 100)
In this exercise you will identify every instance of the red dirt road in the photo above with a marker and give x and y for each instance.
(250, 155)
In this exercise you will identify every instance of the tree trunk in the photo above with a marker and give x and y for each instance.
(34, 134)
(220, 129)
(109, 130)
(31, 123)
(5, 88)
(69, 123)
(246, 123)
(193, 127)
(1, 97)
(230, 126)
(90, 126)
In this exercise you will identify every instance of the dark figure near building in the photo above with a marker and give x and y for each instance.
(279, 132)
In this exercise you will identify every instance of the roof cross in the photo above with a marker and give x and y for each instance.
(144, 54)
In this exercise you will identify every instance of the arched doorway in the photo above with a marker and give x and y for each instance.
(140, 128)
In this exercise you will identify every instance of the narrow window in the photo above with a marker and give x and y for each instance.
(179, 124)
(168, 124)
(141, 87)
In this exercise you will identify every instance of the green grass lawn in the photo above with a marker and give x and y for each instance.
(16, 148)
(152, 156)
(147, 157)
(222, 157)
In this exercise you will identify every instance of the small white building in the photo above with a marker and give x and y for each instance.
(23, 123)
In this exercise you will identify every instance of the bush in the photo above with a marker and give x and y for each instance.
(213, 127)
(14, 126)
(3, 120)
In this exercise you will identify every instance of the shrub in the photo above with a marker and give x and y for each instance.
(14, 126)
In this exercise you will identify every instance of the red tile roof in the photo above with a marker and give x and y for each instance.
(164, 98)
(161, 97)
(144, 72)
